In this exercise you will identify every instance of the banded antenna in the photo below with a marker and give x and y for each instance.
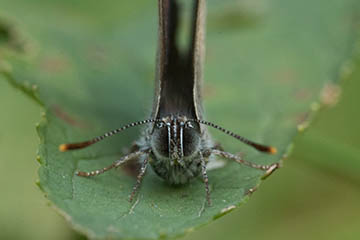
(79, 145)
(257, 146)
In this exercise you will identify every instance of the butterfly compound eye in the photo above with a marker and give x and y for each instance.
(160, 124)
(189, 125)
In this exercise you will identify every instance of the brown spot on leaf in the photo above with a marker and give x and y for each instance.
(54, 63)
(330, 94)
(60, 113)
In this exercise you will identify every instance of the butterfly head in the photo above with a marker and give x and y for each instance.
(175, 138)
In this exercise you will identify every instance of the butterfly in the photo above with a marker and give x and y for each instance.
(176, 142)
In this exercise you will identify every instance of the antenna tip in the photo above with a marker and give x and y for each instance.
(272, 150)
(63, 148)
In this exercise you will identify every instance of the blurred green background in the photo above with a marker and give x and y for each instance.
(316, 194)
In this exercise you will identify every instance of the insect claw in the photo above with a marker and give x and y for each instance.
(270, 170)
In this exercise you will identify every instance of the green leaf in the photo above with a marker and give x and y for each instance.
(92, 65)
(338, 146)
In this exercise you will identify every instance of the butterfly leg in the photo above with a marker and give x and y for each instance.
(114, 165)
(140, 177)
(268, 168)
(205, 177)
